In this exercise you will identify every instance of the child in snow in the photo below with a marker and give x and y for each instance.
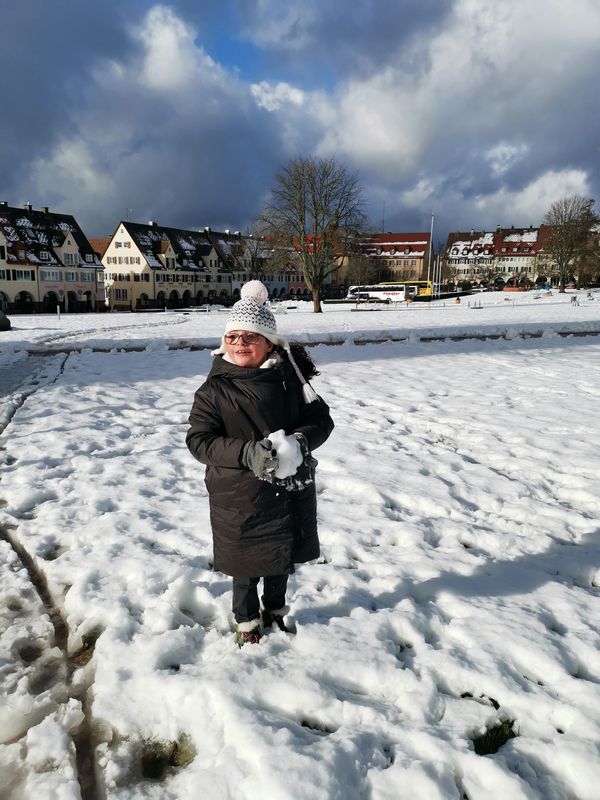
(263, 505)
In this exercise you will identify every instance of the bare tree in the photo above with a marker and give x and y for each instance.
(571, 220)
(316, 206)
(589, 266)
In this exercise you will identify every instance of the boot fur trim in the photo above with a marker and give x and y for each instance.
(279, 612)
(249, 627)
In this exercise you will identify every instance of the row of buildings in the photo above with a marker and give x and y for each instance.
(46, 261)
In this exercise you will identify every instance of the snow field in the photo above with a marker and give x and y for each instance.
(458, 583)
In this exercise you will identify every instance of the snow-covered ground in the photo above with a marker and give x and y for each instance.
(458, 585)
(489, 313)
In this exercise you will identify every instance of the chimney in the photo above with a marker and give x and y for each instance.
(4, 203)
(237, 233)
(45, 209)
(152, 223)
(227, 231)
(207, 228)
(27, 206)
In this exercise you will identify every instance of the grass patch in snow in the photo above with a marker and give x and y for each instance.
(159, 757)
(493, 738)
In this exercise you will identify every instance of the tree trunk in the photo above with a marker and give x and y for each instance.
(317, 302)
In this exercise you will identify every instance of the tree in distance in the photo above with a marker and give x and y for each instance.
(316, 211)
(572, 220)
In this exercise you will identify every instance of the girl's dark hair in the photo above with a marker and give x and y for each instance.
(305, 363)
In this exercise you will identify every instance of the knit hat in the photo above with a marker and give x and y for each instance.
(251, 313)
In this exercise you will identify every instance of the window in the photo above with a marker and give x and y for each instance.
(136, 277)
(44, 255)
(87, 276)
(123, 277)
(126, 244)
(503, 249)
(515, 249)
(21, 255)
(147, 277)
(118, 244)
(4, 275)
(71, 259)
(70, 276)
(2, 252)
(120, 294)
(51, 275)
(89, 258)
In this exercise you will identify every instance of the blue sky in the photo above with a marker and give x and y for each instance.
(483, 112)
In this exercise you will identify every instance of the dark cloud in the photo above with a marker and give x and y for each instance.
(477, 110)
(331, 40)
(89, 135)
(44, 59)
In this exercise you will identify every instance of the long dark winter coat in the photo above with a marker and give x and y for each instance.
(258, 529)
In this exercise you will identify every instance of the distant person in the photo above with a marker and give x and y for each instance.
(263, 512)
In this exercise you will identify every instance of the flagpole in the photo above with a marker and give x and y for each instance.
(429, 260)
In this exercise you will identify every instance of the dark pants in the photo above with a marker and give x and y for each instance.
(245, 596)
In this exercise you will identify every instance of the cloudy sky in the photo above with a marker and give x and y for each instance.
(480, 111)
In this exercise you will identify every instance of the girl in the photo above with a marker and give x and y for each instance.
(262, 524)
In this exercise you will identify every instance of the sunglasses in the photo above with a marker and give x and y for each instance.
(247, 338)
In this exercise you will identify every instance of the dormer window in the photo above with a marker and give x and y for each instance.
(406, 250)
(515, 249)
(503, 249)
(44, 255)
(89, 258)
(21, 255)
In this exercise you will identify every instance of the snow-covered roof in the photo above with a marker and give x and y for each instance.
(191, 247)
(31, 234)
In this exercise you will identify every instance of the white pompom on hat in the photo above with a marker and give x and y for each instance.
(251, 313)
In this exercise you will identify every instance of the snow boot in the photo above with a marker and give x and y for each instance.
(248, 633)
(276, 616)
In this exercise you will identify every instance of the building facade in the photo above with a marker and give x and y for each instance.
(383, 257)
(46, 263)
(513, 257)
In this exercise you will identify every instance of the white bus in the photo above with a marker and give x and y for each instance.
(390, 292)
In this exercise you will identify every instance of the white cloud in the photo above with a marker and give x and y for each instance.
(529, 204)
(424, 191)
(503, 156)
(491, 70)
(171, 59)
(272, 96)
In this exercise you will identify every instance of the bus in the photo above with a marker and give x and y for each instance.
(390, 292)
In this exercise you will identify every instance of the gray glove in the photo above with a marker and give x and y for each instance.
(305, 474)
(261, 459)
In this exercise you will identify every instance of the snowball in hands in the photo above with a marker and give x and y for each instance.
(288, 452)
